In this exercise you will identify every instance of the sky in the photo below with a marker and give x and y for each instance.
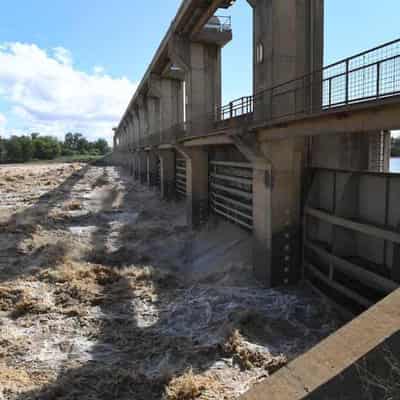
(73, 65)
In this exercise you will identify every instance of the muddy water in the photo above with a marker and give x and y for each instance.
(82, 316)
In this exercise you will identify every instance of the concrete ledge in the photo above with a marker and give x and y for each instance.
(330, 365)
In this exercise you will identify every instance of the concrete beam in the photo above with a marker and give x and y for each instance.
(366, 117)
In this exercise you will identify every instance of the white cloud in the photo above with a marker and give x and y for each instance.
(3, 121)
(49, 95)
(98, 70)
(62, 55)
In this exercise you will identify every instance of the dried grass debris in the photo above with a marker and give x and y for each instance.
(248, 358)
(72, 205)
(190, 386)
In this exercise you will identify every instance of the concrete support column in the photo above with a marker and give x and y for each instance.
(167, 170)
(285, 182)
(143, 117)
(138, 126)
(262, 236)
(166, 92)
(151, 168)
(379, 151)
(287, 44)
(277, 175)
(142, 163)
(196, 185)
(201, 64)
(137, 166)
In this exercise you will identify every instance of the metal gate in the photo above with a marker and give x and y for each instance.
(352, 236)
(180, 177)
(231, 191)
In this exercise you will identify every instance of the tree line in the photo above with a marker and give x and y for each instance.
(35, 147)
(396, 147)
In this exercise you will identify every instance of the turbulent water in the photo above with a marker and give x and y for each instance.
(105, 293)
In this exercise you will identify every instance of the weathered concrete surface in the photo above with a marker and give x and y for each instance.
(322, 373)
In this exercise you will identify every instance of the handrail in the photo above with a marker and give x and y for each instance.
(369, 75)
(322, 76)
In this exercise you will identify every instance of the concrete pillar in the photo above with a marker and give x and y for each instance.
(288, 44)
(138, 125)
(277, 174)
(196, 185)
(167, 170)
(168, 92)
(153, 106)
(379, 151)
(262, 237)
(126, 145)
(285, 186)
(151, 167)
(142, 164)
(201, 64)
(136, 169)
(143, 117)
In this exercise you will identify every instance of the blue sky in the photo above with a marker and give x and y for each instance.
(70, 65)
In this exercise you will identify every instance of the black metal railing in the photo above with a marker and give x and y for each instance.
(371, 75)
(219, 23)
(236, 108)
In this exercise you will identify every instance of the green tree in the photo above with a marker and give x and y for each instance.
(3, 150)
(27, 148)
(102, 146)
(13, 149)
(46, 148)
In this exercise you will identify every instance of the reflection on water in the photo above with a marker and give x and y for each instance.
(395, 165)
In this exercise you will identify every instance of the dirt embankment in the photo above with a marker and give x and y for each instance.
(98, 299)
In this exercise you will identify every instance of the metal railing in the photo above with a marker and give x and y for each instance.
(367, 76)
(371, 75)
(236, 108)
(219, 23)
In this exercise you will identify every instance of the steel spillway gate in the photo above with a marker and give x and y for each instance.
(231, 191)
(180, 176)
(352, 236)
